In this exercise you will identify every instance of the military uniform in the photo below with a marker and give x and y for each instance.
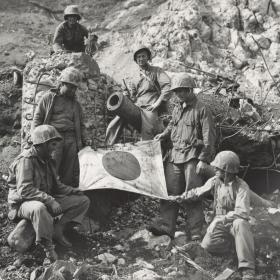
(70, 38)
(146, 88)
(192, 133)
(232, 202)
(66, 116)
(34, 185)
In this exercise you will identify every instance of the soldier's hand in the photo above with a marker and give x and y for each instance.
(55, 208)
(178, 198)
(77, 191)
(217, 220)
(159, 137)
(201, 167)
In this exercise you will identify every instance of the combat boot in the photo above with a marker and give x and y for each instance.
(248, 274)
(48, 247)
(59, 237)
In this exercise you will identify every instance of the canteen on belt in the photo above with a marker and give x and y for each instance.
(122, 165)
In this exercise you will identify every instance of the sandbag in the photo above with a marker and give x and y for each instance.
(22, 237)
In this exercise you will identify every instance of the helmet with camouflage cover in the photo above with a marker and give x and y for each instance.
(70, 75)
(141, 48)
(44, 133)
(182, 80)
(72, 10)
(227, 161)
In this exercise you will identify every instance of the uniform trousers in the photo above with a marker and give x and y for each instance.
(74, 208)
(181, 177)
(67, 161)
(219, 237)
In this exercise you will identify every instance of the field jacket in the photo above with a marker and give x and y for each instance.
(231, 200)
(44, 109)
(192, 132)
(70, 39)
(149, 85)
(32, 178)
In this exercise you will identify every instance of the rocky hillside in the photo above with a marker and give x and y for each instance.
(238, 39)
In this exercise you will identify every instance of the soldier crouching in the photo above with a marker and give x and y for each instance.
(38, 194)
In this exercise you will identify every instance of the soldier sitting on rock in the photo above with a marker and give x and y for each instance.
(231, 208)
(149, 89)
(39, 196)
(70, 35)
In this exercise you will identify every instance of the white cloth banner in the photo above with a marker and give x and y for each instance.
(129, 167)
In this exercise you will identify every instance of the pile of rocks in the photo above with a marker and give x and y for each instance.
(41, 74)
(223, 37)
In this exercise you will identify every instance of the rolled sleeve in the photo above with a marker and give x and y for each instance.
(205, 189)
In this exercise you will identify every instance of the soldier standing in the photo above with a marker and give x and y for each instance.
(58, 107)
(192, 132)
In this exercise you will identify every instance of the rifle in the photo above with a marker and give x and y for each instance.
(219, 78)
(132, 98)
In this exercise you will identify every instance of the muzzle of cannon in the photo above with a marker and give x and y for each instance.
(122, 106)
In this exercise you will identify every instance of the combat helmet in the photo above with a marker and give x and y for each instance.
(182, 80)
(72, 10)
(141, 48)
(70, 75)
(44, 133)
(227, 161)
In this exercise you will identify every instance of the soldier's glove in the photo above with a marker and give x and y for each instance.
(54, 208)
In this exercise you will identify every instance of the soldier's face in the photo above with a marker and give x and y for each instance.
(68, 90)
(223, 175)
(51, 147)
(184, 94)
(72, 20)
(142, 58)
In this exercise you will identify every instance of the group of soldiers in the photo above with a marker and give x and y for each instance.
(44, 179)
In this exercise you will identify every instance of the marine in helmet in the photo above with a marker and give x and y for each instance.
(70, 34)
(231, 209)
(192, 132)
(58, 107)
(38, 195)
(150, 89)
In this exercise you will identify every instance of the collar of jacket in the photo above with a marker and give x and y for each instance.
(184, 105)
(56, 92)
(147, 69)
(74, 27)
(34, 153)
